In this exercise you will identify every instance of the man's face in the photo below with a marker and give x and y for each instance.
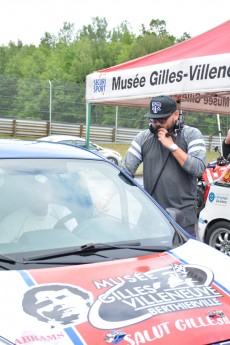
(61, 306)
(39, 198)
(166, 123)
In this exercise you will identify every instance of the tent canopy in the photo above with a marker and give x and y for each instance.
(195, 72)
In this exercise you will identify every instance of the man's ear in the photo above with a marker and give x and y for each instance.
(176, 114)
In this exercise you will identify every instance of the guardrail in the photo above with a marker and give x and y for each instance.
(30, 128)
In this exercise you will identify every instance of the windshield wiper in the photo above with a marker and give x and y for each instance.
(4, 258)
(89, 247)
(95, 248)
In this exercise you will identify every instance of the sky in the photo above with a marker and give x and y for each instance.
(28, 20)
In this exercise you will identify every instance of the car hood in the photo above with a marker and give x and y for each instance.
(176, 297)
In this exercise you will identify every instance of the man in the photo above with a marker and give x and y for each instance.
(38, 213)
(226, 145)
(173, 156)
(58, 304)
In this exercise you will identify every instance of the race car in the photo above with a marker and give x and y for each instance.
(88, 257)
(214, 219)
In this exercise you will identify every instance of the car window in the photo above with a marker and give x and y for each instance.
(80, 143)
(97, 202)
(93, 147)
(72, 142)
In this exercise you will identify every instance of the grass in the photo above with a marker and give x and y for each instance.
(122, 149)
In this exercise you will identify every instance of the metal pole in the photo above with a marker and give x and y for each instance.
(50, 119)
(219, 130)
(116, 120)
(88, 120)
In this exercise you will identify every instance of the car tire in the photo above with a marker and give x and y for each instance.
(113, 160)
(218, 236)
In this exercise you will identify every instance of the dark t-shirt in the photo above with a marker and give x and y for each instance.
(226, 149)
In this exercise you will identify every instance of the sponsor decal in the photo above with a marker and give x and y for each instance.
(115, 337)
(211, 197)
(60, 307)
(175, 299)
(181, 326)
(153, 293)
(216, 313)
(54, 304)
(99, 85)
(43, 339)
(219, 199)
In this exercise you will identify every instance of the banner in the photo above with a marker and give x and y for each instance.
(196, 82)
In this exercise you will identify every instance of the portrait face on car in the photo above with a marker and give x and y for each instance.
(58, 304)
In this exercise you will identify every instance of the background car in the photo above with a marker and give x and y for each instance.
(111, 155)
(214, 219)
(87, 256)
(212, 173)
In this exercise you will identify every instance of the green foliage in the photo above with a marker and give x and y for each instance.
(70, 56)
(63, 62)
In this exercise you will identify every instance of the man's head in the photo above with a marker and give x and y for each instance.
(57, 303)
(39, 195)
(163, 112)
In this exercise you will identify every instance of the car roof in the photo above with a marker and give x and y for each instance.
(58, 137)
(16, 148)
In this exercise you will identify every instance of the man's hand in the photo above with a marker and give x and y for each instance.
(166, 141)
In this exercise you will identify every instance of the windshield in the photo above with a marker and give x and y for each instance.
(59, 203)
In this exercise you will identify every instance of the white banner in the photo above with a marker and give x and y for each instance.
(205, 77)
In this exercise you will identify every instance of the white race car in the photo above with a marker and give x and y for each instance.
(88, 257)
(214, 219)
(112, 155)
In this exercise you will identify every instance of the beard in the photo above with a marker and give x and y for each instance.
(58, 315)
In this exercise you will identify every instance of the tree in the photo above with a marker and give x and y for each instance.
(66, 60)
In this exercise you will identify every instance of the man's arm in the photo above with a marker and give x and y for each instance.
(133, 157)
(227, 139)
(193, 161)
(226, 145)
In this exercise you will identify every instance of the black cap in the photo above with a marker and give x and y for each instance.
(161, 106)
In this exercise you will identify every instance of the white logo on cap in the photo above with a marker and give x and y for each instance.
(156, 106)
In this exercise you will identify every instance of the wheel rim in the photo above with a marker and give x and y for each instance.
(221, 240)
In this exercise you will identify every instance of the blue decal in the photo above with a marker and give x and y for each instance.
(73, 336)
(26, 278)
(115, 337)
(99, 85)
(201, 220)
(211, 197)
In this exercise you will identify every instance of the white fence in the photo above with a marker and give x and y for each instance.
(35, 129)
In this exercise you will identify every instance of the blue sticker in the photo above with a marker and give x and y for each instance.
(115, 337)
(211, 197)
(99, 85)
